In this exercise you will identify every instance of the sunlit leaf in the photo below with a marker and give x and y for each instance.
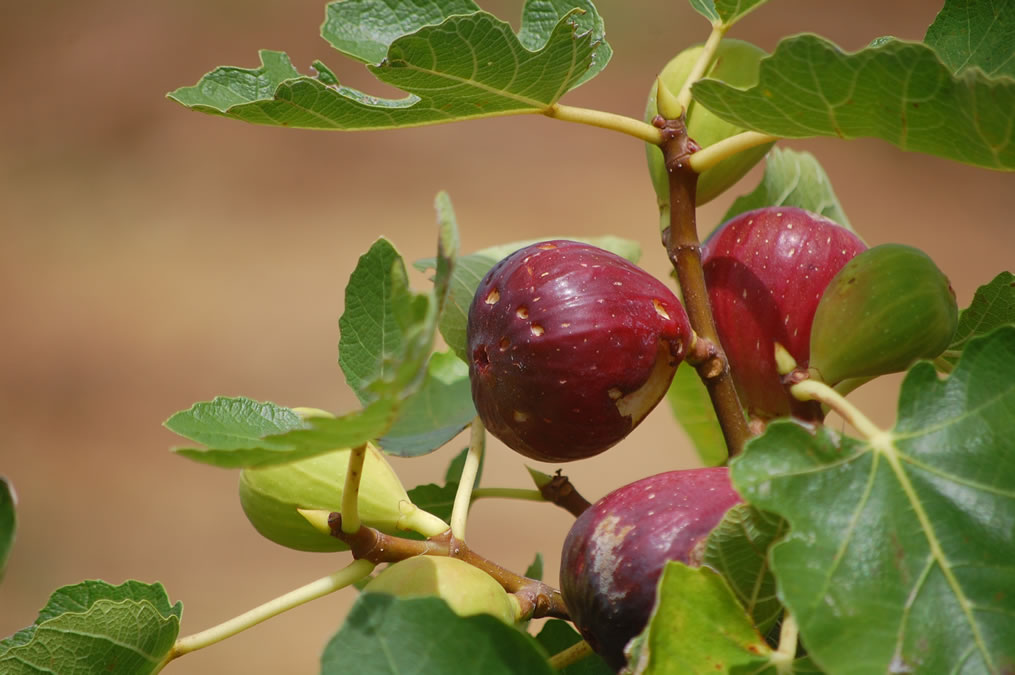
(975, 33)
(897, 91)
(903, 543)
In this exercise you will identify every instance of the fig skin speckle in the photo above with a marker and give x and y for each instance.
(615, 551)
(572, 325)
(765, 271)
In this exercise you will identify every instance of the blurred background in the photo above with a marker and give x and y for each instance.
(151, 257)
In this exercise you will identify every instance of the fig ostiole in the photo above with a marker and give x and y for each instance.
(272, 496)
(736, 63)
(766, 271)
(570, 346)
(468, 590)
(615, 551)
(886, 308)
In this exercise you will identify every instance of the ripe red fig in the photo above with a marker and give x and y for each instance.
(570, 347)
(766, 271)
(616, 550)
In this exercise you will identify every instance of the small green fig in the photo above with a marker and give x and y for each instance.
(886, 308)
(270, 497)
(468, 590)
(736, 64)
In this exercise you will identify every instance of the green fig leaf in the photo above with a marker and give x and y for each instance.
(535, 570)
(457, 465)
(381, 314)
(993, 306)
(436, 413)
(725, 12)
(95, 627)
(385, 635)
(234, 423)
(8, 521)
(697, 626)
(453, 65)
(691, 405)
(968, 34)
(437, 499)
(557, 635)
(447, 247)
(897, 91)
(792, 179)
(904, 543)
(470, 270)
(738, 549)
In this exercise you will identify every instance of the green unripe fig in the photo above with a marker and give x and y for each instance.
(270, 497)
(468, 590)
(886, 308)
(736, 64)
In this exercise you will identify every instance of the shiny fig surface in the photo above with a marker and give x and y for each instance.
(616, 550)
(570, 346)
(766, 271)
(886, 308)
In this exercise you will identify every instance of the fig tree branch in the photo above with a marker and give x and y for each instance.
(684, 250)
(537, 599)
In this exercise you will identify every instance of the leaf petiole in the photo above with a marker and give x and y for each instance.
(703, 63)
(508, 493)
(463, 497)
(572, 654)
(605, 120)
(350, 494)
(346, 576)
(706, 158)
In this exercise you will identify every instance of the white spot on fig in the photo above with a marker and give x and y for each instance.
(607, 540)
(614, 393)
(520, 416)
(621, 283)
(493, 297)
(537, 330)
(565, 324)
(504, 344)
(660, 310)
(523, 312)
(547, 246)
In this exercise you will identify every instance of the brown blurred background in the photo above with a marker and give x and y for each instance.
(152, 257)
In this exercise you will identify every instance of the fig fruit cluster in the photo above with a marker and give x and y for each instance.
(570, 346)
(788, 276)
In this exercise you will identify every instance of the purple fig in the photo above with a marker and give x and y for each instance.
(616, 550)
(570, 346)
(766, 270)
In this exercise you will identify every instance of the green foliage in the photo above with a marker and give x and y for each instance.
(971, 34)
(725, 12)
(8, 522)
(738, 549)
(557, 635)
(792, 179)
(903, 543)
(993, 306)
(713, 634)
(94, 627)
(387, 635)
(897, 91)
(454, 66)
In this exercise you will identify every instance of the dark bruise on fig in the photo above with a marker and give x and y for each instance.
(570, 347)
(766, 270)
(616, 550)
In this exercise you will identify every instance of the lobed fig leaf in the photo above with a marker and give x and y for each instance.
(736, 64)
(270, 497)
(886, 308)
(468, 590)
(570, 346)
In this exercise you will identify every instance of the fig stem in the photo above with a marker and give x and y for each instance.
(605, 120)
(350, 493)
(508, 493)
(463, 497)
(573, 654)
(704, 62)
(562, 492)
(537, 599)
(813, 390)
(709, 156)
(684, 250)
(346, 576)
(786, 652)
